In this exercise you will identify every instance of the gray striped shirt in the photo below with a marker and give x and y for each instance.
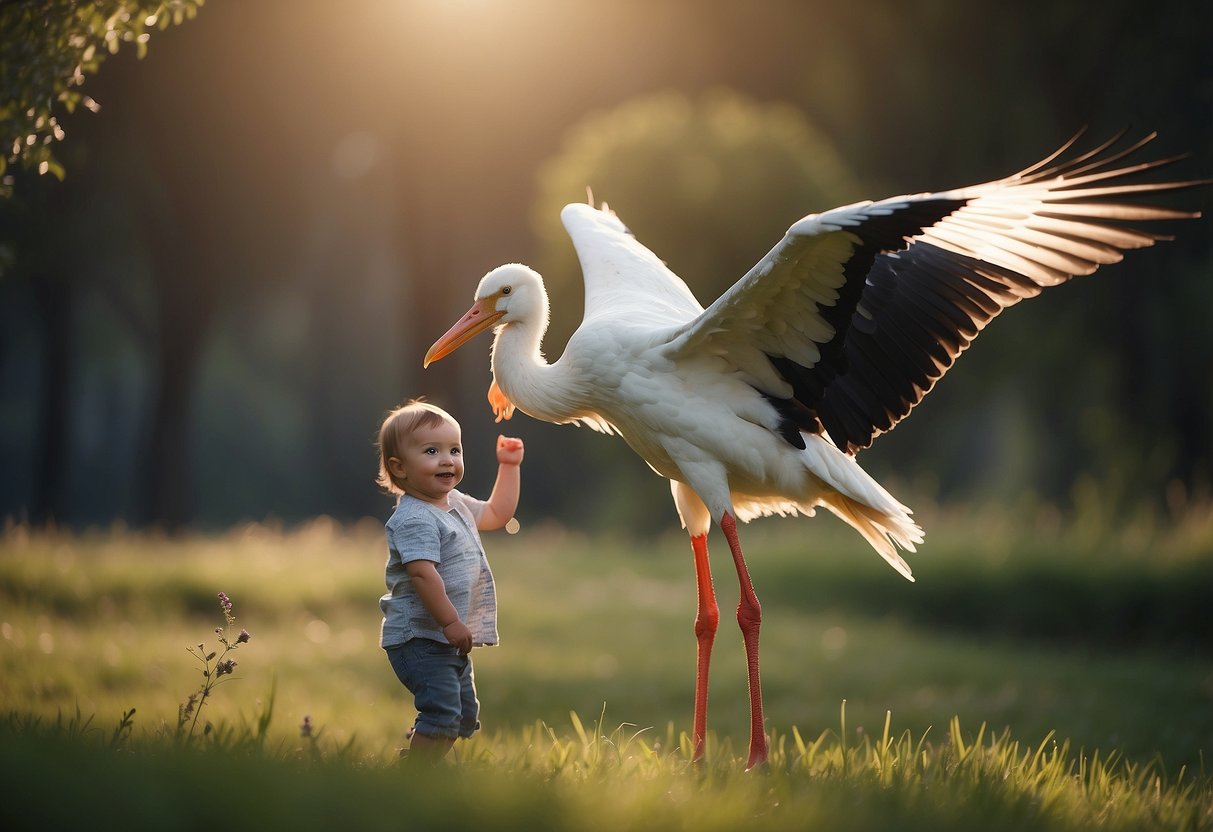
(418, 530)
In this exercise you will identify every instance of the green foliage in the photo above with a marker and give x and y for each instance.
(47, 49)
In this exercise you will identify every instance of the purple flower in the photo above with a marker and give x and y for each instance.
(243, 637)
(223, 668)
(225, 602)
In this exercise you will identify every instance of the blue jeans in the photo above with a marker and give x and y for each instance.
(443, 688)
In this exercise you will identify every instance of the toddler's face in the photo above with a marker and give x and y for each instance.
(432, 464)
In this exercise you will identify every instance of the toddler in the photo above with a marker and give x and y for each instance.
(441, 600)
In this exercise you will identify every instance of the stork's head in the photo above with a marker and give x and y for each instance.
(506, 295)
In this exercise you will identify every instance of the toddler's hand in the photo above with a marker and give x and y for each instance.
(509, 450)
(458, 635)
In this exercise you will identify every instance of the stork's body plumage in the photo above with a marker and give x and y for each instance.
(758, 404)
(689, 415)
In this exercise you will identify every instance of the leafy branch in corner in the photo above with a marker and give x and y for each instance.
(47, 49)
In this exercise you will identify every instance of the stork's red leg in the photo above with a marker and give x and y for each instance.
(749, 617)
(706, 619)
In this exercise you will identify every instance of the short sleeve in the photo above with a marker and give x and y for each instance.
(416, 539)
(471, 505)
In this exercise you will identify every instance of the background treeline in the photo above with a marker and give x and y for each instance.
(284, 203)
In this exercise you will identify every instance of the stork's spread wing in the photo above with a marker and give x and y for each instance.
(851, 319)
(622, 277)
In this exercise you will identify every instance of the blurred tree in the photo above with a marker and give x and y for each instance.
(698, 179)
(47, 49)
(204, 256)
(71, 247)
(32, 231)
(225, 227)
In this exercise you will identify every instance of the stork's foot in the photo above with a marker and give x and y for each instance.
(758, 758)
(503, 408)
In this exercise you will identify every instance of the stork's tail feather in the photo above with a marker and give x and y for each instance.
(886, 530)
(862, 502)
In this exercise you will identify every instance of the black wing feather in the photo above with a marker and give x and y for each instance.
(924, 301)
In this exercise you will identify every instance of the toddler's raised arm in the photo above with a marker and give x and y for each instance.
(504, 499)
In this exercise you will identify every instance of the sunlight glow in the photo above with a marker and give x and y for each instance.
(356, 154)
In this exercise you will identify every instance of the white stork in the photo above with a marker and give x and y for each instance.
(758, 404)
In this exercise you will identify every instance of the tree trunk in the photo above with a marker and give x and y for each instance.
(164, 478)
(53, 296)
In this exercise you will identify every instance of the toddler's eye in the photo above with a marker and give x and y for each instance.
(431, 451)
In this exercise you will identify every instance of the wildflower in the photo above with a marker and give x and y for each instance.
(212, 674)
(305, 730)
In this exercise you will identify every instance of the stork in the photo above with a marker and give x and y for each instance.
(758, 404)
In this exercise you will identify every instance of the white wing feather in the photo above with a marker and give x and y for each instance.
(622, 277)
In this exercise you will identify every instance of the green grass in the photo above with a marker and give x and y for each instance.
(589, 778)
(1038, 676)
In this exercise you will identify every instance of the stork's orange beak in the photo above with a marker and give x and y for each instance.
(480, 317)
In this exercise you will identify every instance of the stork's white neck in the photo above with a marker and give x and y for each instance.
(537, 388)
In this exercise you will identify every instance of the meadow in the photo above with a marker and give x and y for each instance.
(1045, 672)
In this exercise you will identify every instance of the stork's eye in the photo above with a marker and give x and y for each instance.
(505, 290)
